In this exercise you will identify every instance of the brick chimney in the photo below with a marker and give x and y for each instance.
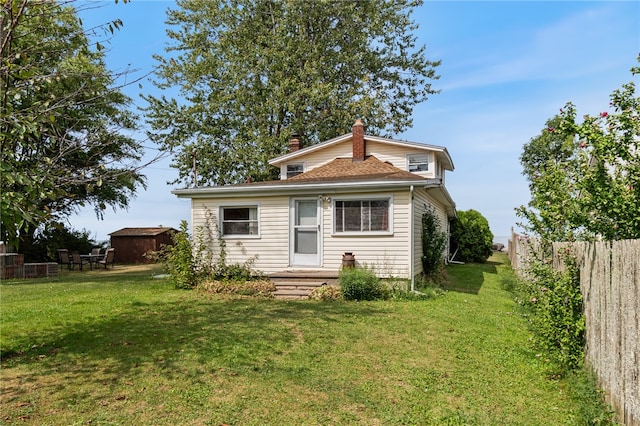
(359, 147)
(294, 143)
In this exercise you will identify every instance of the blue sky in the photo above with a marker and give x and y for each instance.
(507, 67)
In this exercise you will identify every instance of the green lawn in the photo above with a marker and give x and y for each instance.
(117, 347)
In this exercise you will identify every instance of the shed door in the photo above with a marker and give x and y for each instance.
(304, 238)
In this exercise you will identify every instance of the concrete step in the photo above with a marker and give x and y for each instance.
(295, 289)
(291, 294)
(304, 286)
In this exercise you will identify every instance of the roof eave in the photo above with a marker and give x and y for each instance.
(292, 189)
(442, 195)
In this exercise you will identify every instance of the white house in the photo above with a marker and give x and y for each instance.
(355, 193)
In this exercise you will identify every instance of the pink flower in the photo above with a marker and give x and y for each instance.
(604, 114)
(551, 129)
(534, 300)
(582, 144)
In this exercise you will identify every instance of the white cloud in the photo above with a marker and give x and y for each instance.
(587, 42)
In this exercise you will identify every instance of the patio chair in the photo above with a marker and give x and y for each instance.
(64, 259)
(109, 258)
(96, 256)
(77, 260)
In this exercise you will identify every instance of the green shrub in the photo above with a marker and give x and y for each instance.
(361, 284)
(471, 237)
(179, 261)
(434, 242)
(557, 318)
(235, 271)
(190, 261)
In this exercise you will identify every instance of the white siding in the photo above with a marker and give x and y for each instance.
(398, 156)
(320, 157)
(387, 254)
(271, 249)
(421, 201)
(393, 154)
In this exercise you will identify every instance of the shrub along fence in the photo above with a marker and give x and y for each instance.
(610, 286)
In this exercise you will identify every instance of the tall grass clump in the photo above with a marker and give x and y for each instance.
(588, 398)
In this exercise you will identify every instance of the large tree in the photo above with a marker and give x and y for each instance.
(550, 166)
(584, 174)
(63, 120)
(251, 73)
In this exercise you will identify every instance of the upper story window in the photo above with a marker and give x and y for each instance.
(362, 215)
(239, 221)
(294, 169)
(418, 162)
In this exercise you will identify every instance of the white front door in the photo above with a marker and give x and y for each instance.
(304, 238)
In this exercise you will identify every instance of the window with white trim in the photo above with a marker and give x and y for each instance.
(239, 221)
(418, 162)
(366, 215)
(294, 169)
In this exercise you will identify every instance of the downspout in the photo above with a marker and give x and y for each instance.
(411, 236)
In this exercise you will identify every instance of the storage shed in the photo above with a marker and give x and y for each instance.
(132, 243)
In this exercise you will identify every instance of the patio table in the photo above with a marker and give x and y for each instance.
(92, 258)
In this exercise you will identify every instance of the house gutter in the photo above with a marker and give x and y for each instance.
(289, 189)
(411, 244)
(443, 197)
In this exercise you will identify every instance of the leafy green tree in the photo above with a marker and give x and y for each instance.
(548, 149)
(551, 168)
(46, 242)
(63, 120)
(253, 72)
(586, 181)
(471, 237)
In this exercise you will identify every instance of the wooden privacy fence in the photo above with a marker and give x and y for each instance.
(610, 287)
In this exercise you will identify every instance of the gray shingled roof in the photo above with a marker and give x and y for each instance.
(140, 232)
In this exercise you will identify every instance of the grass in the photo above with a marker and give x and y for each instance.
(117, 347)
